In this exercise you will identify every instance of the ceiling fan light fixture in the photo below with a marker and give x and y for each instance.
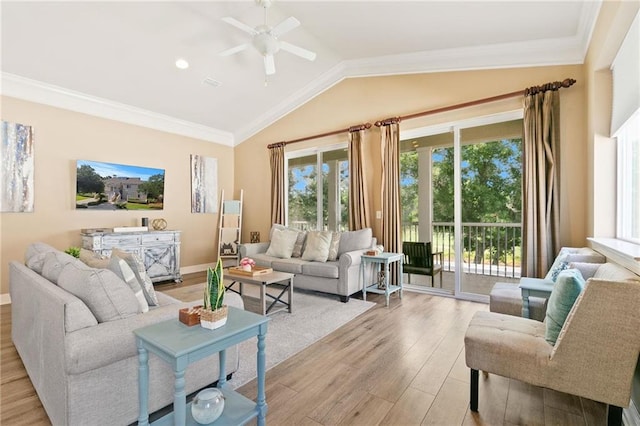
(265, 43)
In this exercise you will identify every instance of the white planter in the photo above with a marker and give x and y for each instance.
(214, 319)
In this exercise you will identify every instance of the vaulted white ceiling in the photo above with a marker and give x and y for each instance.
(116, 59)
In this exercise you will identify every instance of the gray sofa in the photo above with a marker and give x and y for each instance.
(86, 372)
(339, 277)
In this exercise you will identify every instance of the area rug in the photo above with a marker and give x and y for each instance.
(314, 316)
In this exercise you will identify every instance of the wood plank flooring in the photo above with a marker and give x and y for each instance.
(402, 365)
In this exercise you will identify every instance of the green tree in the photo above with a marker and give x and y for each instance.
(409, 195)
(88, 181)
(491, 176)
(154, 187)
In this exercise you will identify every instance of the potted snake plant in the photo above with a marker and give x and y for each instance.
(214, 314)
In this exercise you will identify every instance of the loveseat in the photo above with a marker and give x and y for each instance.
(86, 371)
(333, 269)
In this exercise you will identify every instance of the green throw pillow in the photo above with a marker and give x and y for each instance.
(568, 287)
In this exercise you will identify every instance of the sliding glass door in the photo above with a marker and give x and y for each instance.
(461, 190)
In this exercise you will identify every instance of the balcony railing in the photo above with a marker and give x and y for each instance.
(492, 249)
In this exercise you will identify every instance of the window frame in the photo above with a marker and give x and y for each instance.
(305, 152)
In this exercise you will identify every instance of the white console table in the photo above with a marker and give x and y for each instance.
(159, 250)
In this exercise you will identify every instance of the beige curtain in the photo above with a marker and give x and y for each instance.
(276, 158)
(541, 183)
(390, 191)
(358, 199)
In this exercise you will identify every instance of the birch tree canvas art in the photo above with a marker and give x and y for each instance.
(16, 175)
(204, 184)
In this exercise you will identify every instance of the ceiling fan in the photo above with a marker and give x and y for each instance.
(266, 39)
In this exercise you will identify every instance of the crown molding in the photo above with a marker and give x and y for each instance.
(319, 85)
(48, 94)
(566, 51)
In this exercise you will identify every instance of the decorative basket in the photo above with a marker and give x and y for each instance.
(190, 316)
(214, 319)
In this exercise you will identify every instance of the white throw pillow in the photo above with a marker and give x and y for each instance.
(136, 264)
(282, 242)
(126, 274)
(317, 247)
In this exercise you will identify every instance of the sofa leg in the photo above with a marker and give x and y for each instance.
(474, 390)
(229, 376)
(344, 299)
(614, 415)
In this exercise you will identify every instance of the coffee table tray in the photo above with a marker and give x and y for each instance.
(257, 270)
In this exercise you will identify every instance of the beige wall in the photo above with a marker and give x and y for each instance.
(361, 100)
(62, 137)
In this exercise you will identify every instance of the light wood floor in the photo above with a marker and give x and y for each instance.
(402, 365)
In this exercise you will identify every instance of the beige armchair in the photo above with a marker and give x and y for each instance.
(594, 357)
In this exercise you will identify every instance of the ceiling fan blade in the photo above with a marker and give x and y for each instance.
(233, 50)
(269, 65)
(296, 50)
(285, 26)
(244, 27)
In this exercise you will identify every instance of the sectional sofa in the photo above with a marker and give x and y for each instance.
(83, 366)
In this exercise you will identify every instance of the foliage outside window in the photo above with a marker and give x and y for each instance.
(329, 189)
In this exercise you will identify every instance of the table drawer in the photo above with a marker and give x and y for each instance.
(157, 238)
(120, 241)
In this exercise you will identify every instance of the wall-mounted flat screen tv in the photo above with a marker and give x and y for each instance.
(109, 186)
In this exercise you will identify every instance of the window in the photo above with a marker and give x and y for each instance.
(625, 127)
(318, 200)
(628, 139)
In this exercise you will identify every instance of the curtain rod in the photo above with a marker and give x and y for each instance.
(526, 92)
(321, 135)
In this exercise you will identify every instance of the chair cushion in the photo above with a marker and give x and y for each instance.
(292, 266)
(323, 270)
(564, 294)
(506, 298)
(499, 343)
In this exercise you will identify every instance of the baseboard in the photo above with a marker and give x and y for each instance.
(631, 415)
(196, 268)
(5, 299)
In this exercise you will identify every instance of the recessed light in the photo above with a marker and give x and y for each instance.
(182, 63)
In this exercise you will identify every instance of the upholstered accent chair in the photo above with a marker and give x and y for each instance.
(594, 356)
(419, 259)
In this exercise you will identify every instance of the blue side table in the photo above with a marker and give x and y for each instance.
(180, 345)
(380, 260)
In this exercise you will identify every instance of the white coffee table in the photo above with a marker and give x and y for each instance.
(282, 281)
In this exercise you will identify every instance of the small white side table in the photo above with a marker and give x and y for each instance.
(380, 260)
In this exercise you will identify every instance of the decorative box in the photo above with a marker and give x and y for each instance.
(190, 316)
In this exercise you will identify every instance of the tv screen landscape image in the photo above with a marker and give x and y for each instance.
(109, 186)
